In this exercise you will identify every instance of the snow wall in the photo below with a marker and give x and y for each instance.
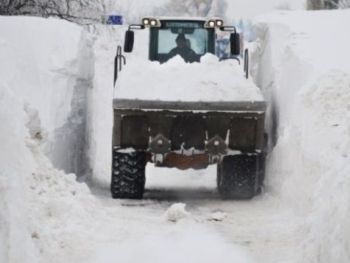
(45, 71)
(50, 73)
(302, 65)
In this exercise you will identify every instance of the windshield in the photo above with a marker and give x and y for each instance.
(197, 40)
(167, 40)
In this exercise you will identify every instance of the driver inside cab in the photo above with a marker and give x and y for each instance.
(183, 49)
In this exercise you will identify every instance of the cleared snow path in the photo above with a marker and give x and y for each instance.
(261, 230)
(302, 217)
(291, 222)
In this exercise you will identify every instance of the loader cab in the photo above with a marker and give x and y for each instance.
(200, 36)
(163, 38)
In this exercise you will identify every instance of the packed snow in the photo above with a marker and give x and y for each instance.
(56, 96)
(176, 212)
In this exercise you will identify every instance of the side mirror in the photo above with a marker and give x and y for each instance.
(235, 41)
(129, 41)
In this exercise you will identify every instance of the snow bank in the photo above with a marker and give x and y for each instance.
(47, 64)
(305, 74)
(16, 164)
(35, 198)
(57, 207)
(100, 101)
(44, 74)
(175, 80)
(327, 130)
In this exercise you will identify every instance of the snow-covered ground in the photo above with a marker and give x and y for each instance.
(56, 90)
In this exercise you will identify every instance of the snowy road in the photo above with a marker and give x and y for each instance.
(260, 230)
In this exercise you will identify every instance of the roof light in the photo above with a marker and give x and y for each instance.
(211, 23)
(145, 21)
(153, 22)
(219, 23)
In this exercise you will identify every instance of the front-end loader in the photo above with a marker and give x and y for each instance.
(187, 134)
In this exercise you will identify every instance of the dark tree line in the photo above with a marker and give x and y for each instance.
(80, 11)
(93, 11)
(327, 4)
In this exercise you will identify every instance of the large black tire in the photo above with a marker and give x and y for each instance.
(128, 175)
(240, 176)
